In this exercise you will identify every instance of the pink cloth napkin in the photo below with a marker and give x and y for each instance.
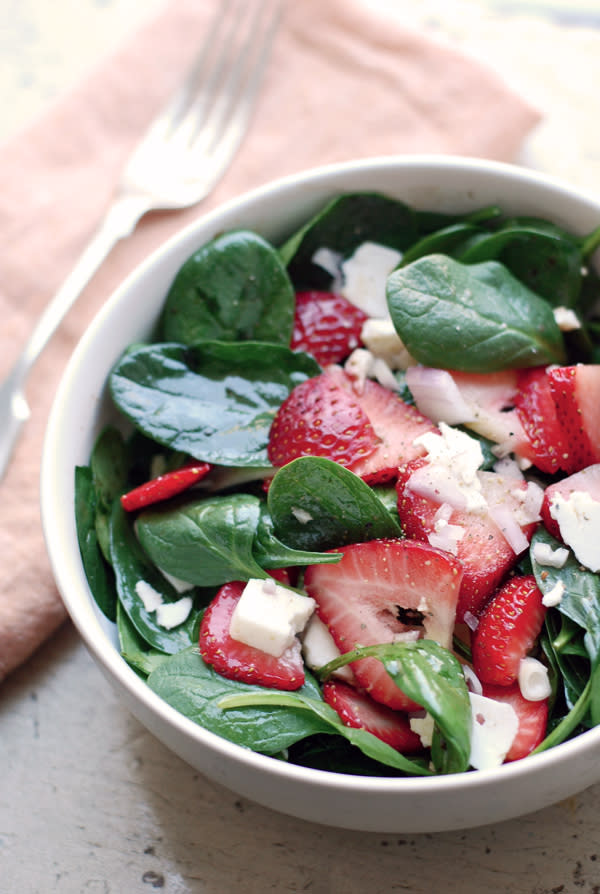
(345, 80)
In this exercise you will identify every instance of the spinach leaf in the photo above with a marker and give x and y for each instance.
(234, 288)
(370, 745)
(541, 255)
(478, 318)
(316, 504)
(206, 541)
(97, 570)
(561, 640)
(214, 400)
(446, 240)
(581, 599)
(344, 224)
(432, 677)
(191, 687)
(134, 649)
(109, 464)
(270, 552)
(131, 566)
(335, 754)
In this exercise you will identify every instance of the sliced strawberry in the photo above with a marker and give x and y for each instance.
(395, 423)
(576, 394)
(237, 661)
(359, 711)
(533, 719)
(586, 481)
(379, 592)
(370, 432)
(165, 486)
(491, 401)
(537, 412)
(327, 326)
(507, 630)
(483, 550)
(319, 418)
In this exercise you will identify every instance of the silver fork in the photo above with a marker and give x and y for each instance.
(182, 156)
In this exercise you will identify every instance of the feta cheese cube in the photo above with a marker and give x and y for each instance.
(319, 648)
(566, 319)
(380, 337)
(268, 616)
(494, 726)
(365, 276)
(578, 518)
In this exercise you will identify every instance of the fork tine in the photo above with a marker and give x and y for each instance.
(198, 77)
(222, 122)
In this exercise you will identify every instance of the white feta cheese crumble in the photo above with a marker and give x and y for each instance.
(578, 518)
(508, 467)
(319, 648)
(330, 261)
(268, 616)
(168, 614)
(423, 726)
(181, 586)
(543, 554)
(150, 597)
(365, 276)
(554, 596)
(451, 473)
(566, 319)
(445, 535)
(494, 726)
(172, 614)
(301, 515)
(362, 365)
(534, 682)
(380, 337)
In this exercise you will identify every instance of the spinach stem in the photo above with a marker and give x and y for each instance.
(566, 726)
(590, 243)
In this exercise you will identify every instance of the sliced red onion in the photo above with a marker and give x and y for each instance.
(506, 521)
(436, 483)
(437, 396)
(471, 620)
(472, 680)
(533, 680)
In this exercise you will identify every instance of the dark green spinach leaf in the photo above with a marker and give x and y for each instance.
(344, 224)
(266, 700)
(131, 566)
(234, 288)
(432, 677)
(270, 552)
(196, 691)
(541, 255)
(316, 504)
(215, 400)
(206, 541)
(581, 598)
(98, 571)
(477, 318)
(134, 648)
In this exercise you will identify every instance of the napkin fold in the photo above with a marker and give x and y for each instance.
(347, 79)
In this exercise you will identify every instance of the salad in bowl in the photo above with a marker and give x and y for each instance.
(340, 509)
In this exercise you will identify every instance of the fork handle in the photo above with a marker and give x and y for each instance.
(119, 221)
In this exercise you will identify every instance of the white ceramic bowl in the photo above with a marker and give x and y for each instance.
(80, 409)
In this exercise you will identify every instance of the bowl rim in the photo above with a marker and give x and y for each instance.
(80, 605)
